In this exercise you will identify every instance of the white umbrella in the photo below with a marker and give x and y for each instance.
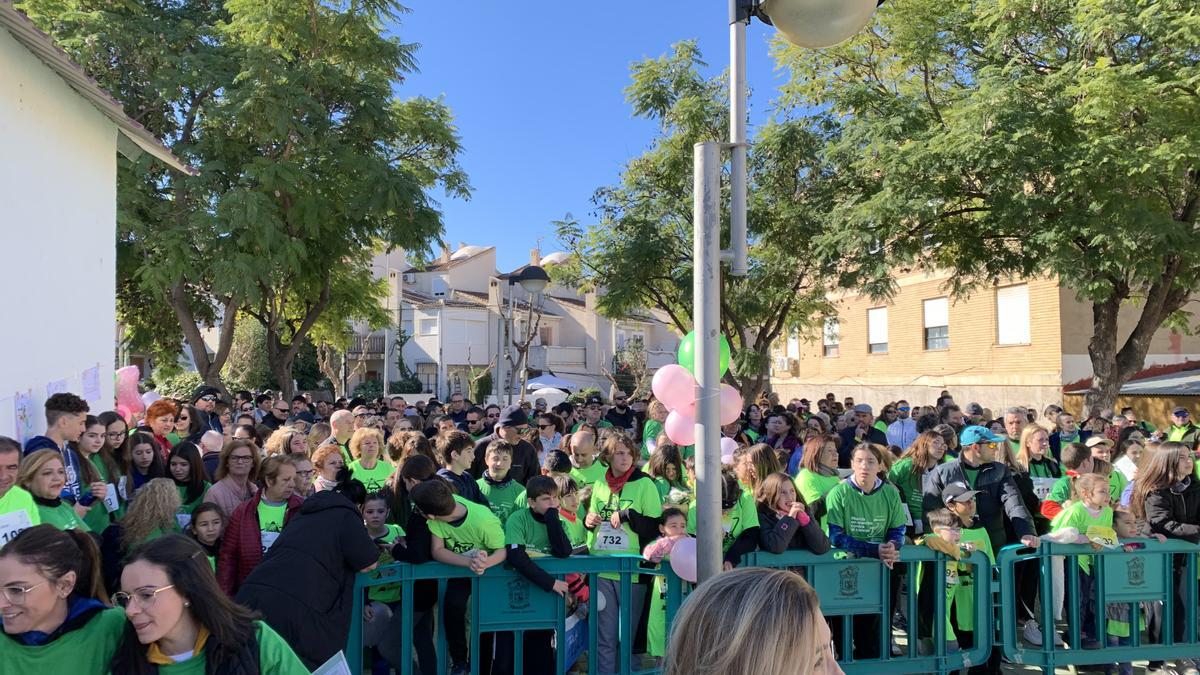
(553, 396)
(548, 381)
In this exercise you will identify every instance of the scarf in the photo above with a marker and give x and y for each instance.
(323, 485)
(617, 483)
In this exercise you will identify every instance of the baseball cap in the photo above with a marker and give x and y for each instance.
(974, 409)
(958, 491)
(206, 390)
(1097, 440)
(1180, 410)
(513, 416)
(594, 399)
(862, 408)
(976, 434)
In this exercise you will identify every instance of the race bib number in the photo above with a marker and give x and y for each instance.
(1042, 486)
(12, 524)
(111, 501)
(951, 576)
(185, 519)
(121, 488)
(268, 540)
(907, 514)
(1103, 536)
(609, 538)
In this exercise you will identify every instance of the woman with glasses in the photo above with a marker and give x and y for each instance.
(187, 425)
(255, 524)
(180, 622)
(53, 604)
(549, 432)
(237, 469)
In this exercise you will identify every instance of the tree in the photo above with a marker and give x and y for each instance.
(630, 372)
(640, 252)
(1019, 139)
(522, 339)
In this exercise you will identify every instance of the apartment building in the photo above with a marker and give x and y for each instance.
(1017, 343)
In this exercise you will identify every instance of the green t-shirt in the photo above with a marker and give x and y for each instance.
(270, 523)
(637, 495)
(479, 530)
(1079, 517)
(866, 517)
(586, 476)
(87, 649)
(504, 498)
(673, 495)
(62, 516)
(185, 507)
(373, 479)
(743, 515)
(964, 595)
(275, 656)
(18, 512)
(813, 486)
(576, 532)
(650, 432)
(951, 585)
(97, 517)
(522, 528)
(387, 593)
(602, 424)
(909, 482)
(972, 475)
(1061, 491)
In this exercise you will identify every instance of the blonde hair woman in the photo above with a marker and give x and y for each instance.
(286, 441)
(779, 629)
(152, 514)
(366, 445)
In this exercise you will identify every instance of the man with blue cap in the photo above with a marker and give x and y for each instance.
(998, 499)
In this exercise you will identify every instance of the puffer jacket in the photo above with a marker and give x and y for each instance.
(241, 544)
(1174, 512)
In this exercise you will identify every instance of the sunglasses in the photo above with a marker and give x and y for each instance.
(545, 426)
(208, 398)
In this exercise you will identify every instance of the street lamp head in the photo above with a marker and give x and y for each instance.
(533, 279)
(818, 23)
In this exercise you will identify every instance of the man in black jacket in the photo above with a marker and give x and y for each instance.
(513, 422)
(863, 431)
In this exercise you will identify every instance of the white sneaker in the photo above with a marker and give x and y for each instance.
(1033, 633)
(1058, 640)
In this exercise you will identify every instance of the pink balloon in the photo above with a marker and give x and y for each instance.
(731, 404)
(674, 386)
(680, 428)
(683, 559)
(728, 445)
(127, 389)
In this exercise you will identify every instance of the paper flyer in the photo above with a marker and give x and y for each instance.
(23, 406)
(91, 384)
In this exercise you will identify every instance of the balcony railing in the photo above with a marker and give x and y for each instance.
(544, 357)
(372, 345)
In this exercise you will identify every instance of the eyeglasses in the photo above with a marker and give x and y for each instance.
(281, 410)
(241, 458)
(184, 418)
(16, 594)
(115, 434)
(144, 596)
(620, 398)
(247, 408)
(494, 416)
(305, 474)
(545, 426)
(992, 446)
(208, 398)
(904, 408)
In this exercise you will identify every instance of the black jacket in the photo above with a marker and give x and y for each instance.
(999, 501)
(1175, 511)
(525, 464)
(873, 435)
(304, 586)
(777, 534)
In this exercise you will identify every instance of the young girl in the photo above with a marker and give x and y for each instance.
(782, 516)
(739, 520)
(151, 515)
(1091, 517)
(672, 530)
(89, 447)
(187, 470)
(381, 600)
(569, 503)
(206, 527)
(145, 464)
(666, 468)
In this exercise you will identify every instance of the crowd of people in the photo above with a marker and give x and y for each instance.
(224, 536)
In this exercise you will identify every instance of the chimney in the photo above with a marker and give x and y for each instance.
(445, 253)
(461, 246)
(535, 256)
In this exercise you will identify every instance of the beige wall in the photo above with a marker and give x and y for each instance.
(974, 368)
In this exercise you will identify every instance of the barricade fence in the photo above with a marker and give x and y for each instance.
(1119, 606)
(851, 590)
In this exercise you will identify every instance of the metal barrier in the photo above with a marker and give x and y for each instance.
(850, 587)
(504, 601)
(1161, 575)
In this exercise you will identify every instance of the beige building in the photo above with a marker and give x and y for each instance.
(1017, 343)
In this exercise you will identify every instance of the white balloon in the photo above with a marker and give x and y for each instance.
(818, 23)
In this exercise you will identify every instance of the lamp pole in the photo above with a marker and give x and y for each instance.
(806, 23)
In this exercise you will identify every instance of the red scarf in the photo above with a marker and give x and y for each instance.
(617, 483)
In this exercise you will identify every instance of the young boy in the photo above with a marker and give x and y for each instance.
(672, 529)
(556, 463)
(378, 614)
(534, 531)
(959, 499)
(464, 534)
(1102, 449)
(456, 452)
(945, 536)
(496, 485)
(1118, 615)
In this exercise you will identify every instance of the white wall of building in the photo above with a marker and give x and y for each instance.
(58, 219)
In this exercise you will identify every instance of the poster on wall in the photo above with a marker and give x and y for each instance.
(91, 384)
(55, 387)
(23, 406)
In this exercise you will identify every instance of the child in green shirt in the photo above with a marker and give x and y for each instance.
(673, 528)
(382, 600)
(1091, 519)
(959, 499)
(499, 488)
(666, 468)
(945, 536)
(587, 468)
(464, 534)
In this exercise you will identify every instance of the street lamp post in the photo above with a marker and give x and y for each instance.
(533, 279)
(806, 23)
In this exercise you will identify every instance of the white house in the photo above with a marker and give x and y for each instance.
(59, 138)
(454, 309)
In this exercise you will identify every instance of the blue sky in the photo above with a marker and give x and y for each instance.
(538, 100)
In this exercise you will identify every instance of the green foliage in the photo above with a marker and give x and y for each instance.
(368, 389)
(640, 251)
(482, 387)
(406, 385)
(180, 385)
(578, 398)
(247, 361)
(401, 339)
(1019, 138)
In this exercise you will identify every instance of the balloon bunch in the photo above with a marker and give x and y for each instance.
(675, 386)
(129, 400)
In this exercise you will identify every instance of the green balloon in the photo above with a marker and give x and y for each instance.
(687, 354)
